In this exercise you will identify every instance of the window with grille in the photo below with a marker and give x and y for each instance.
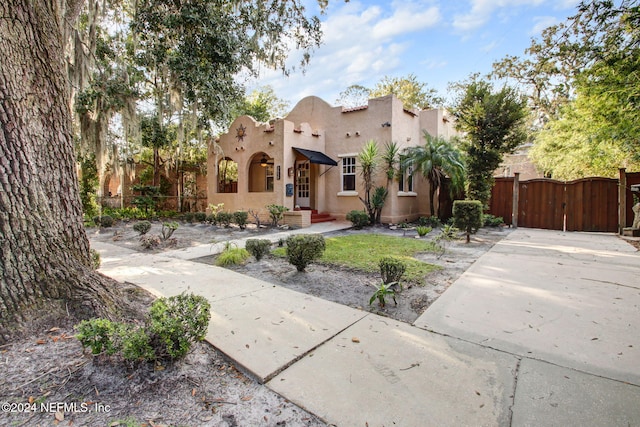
(348, 174)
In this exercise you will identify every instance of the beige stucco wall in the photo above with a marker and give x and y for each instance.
(315, 125)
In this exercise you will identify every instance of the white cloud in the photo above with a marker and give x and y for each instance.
(542, 22)
(360, 44)
(481, 11)
(407, 18)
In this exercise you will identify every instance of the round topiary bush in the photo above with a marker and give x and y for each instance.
(142, 227)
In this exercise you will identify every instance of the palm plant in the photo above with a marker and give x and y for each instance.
(368, 159)
(436, 159)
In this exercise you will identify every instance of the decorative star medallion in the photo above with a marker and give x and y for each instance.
(241, 132)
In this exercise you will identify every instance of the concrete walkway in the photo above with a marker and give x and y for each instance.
(543, 330)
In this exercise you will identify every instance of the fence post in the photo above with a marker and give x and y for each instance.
(516, 199)
(622, 200)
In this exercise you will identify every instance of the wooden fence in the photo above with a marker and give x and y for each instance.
(589, 204)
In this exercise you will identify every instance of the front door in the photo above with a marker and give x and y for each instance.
(303, 184)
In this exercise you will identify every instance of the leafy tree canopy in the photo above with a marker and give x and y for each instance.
(583, 81)
(354, 96)
(409, 90)
(493, 124)
(262, 104)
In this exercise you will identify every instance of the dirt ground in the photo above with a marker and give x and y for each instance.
(48, 380)
(355, 288)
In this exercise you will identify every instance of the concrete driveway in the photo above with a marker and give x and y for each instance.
(569, 305)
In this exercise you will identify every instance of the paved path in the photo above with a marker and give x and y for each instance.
(543, 330)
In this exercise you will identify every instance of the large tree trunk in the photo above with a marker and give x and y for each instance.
(44, 250)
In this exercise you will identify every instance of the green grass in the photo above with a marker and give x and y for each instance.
(364, 251)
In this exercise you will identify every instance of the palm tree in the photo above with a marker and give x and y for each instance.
(436, 159)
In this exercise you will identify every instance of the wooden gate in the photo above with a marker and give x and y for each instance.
(589, 204)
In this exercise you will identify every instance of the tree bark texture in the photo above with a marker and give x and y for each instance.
(44, 250)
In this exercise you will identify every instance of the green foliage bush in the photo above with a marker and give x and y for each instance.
(99, 335)
(135, 344)
(211, 219)
(276, 212)
(467, 215)
(104, 221)
(492, 220)
(258, 247)
(240, 218)
(224, 218)
(359, 219)
(302, 249)
(200, 217)
(232, 256)
(172, 326)
(391, 269)
(130, 213)
(188, 217)
(429, 221)
(176, 322)
(142, 227)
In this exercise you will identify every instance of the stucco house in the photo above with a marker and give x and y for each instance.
(308, 161)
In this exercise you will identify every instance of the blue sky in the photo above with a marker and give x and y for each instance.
(440, 41)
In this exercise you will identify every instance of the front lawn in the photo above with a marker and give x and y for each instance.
(364, 251)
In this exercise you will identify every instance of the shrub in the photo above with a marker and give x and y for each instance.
(224, 218)
(492, 221)
(99, 335)
(142, 227)
(150, 242)
(95, 259)
(172, 325)
(167, 214)
(276, 212)
(467, 216)
(105, 221)
(359, 219)
(168, 228)
(429, 221)
(232, 256)
(240, 218)
(188, 217)
(176, 322)
(200, 217)
(211, 219)
(391, 269)
(136, 344)
(215, 208)
(302, 249)
(423, 230)
(258, 247)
